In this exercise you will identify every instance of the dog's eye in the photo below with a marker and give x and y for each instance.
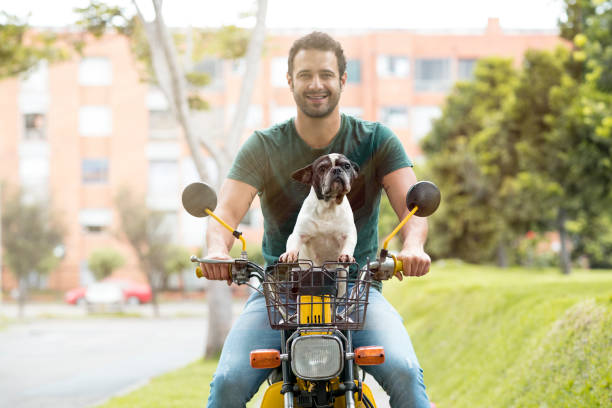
(346, 166)
(322, 170)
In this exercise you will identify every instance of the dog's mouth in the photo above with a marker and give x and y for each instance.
(338, 186)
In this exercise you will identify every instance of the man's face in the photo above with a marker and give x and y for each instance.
(315, 82)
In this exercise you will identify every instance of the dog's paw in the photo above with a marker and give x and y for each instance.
(346, 258)
(289, 256)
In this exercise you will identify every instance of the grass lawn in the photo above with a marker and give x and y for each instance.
(485, 337)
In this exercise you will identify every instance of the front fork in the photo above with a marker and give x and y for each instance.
(287, 389)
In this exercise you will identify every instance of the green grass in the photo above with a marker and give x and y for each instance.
(511, 338)
(486, 337)
(184, 388)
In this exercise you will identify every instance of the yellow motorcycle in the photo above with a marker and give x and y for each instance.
(316, 309)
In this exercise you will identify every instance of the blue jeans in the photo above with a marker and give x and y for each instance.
(235, 382)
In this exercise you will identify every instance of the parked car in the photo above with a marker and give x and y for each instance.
(104, 296)
(133, 292)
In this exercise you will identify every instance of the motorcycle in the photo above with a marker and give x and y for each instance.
(316, 309)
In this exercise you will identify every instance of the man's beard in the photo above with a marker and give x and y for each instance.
(303, 105)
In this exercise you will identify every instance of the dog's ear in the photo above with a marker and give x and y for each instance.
(303, 175)
(355, 169)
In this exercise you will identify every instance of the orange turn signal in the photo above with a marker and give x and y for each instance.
(265, 358)
(370, 355)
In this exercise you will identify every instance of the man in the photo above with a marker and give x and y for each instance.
(316, 77)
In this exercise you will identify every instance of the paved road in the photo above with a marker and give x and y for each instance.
(78, 363)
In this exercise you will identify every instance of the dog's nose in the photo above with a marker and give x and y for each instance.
(336, 171)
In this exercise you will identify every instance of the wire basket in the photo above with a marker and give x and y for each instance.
(302, 295)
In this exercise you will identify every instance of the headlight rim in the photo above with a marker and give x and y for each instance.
(341, 356)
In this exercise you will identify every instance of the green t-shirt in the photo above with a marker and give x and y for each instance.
(269, 157)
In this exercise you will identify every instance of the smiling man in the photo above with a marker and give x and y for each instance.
(316, 77)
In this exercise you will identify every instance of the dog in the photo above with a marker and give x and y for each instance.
(325, 229)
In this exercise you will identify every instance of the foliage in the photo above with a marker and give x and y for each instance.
(471, 165)
(529, 150)
(253, 250)
(21, 49)
(31, 232)
(177, 259)
(145, 232)
(103, 261)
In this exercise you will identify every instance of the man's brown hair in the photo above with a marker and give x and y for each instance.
(317, 41)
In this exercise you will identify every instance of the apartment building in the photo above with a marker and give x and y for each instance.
(75, 132)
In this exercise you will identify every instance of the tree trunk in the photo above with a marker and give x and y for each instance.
(219, 300)
(564, 253)
(218, 293)
(502, 255)
(22, 293)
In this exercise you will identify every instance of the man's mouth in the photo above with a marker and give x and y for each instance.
(317, 97)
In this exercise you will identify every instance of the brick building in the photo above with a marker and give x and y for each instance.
(74, 133)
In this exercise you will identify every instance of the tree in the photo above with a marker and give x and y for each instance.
(31, 233)
(177, 260)
(103, 261)
(471, 165)
(145, 232)
(168, 73)
(21, 48)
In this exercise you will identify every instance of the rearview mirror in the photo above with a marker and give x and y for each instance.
(426, 196)
(198, 197)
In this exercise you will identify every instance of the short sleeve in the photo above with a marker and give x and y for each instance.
(390, 155)
(250, 163)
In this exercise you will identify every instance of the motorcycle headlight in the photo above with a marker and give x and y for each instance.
(317, 357)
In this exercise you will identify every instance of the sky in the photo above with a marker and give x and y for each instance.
(323, 14)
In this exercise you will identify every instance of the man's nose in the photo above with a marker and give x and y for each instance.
(316, 82)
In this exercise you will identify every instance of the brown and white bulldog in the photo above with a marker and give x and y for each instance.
(325, 229)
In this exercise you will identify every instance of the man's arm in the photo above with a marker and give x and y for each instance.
(414, 233)
(235, 198)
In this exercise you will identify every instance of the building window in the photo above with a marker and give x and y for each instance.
(163, 178)
(421, 118)
(95, 121)
(353, 71)
(282, 113)
(394, 116)
(95, 220)
(466, 69)
(94, 171)
(355, 111)
(95, 71)
(34, 126)
(214, 69)
(392, 66)
(432, 75)
(163, 125)
(278, 72)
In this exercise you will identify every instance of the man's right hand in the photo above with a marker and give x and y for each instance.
(217, 271)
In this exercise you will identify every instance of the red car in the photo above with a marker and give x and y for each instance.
(133, 293)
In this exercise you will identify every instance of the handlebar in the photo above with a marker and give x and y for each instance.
(242, 270)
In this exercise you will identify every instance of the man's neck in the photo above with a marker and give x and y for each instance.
(318, 132)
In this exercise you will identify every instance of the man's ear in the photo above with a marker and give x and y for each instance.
(303, 175)
(290, 82)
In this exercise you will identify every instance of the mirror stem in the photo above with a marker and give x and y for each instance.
(233, 231)
(401, 224)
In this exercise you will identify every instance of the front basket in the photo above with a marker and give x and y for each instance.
(302, 295)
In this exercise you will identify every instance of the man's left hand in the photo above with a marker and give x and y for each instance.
(415, 262)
